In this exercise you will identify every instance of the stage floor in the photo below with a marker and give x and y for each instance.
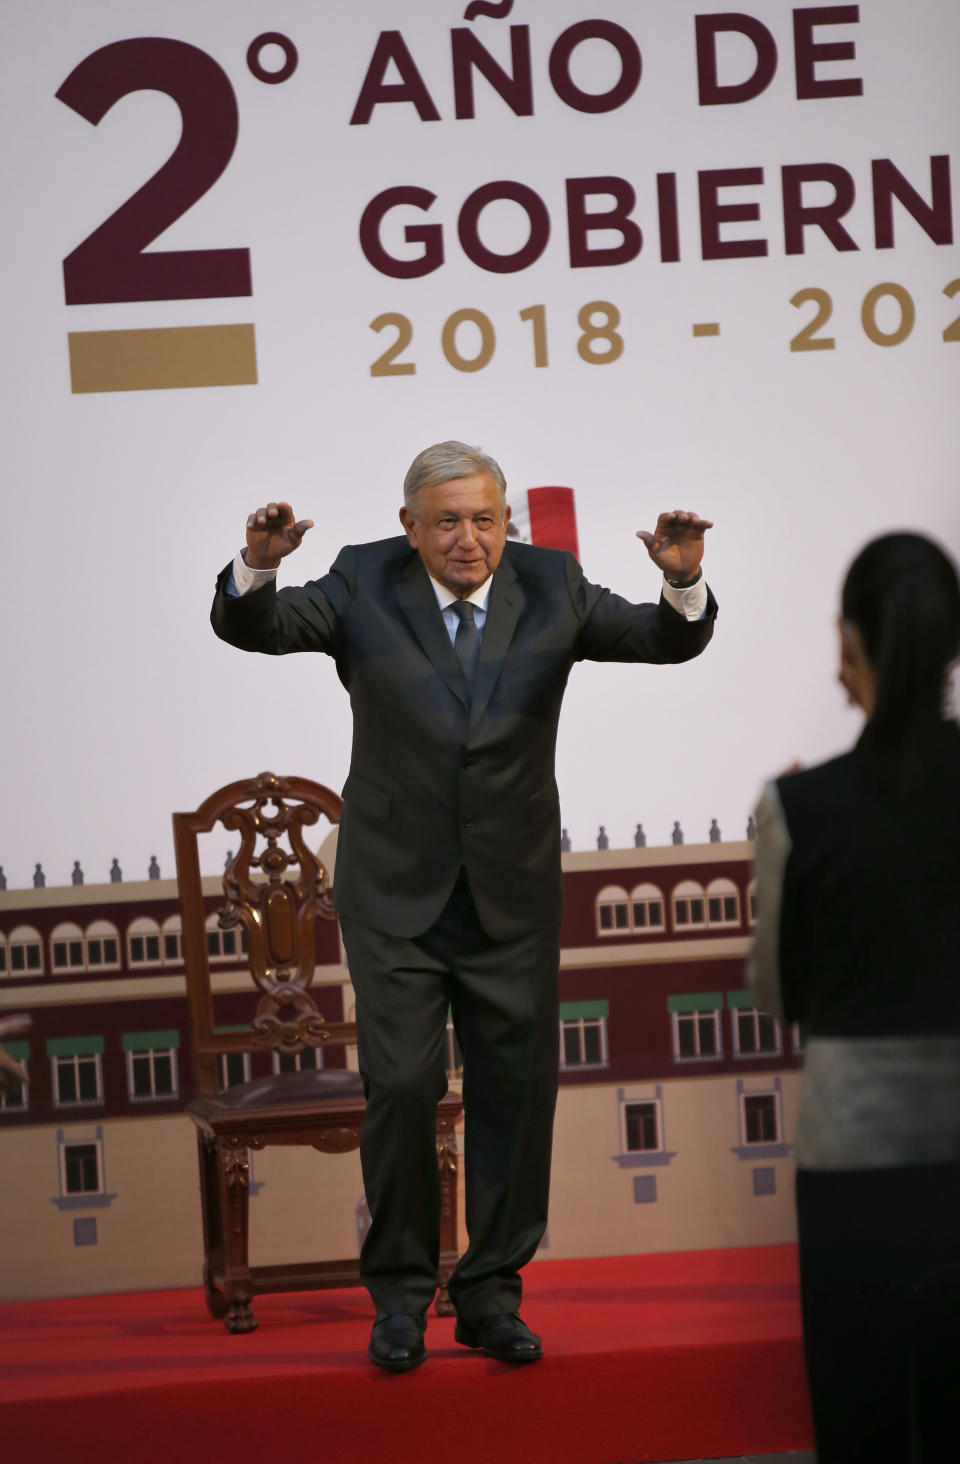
(648, 1358)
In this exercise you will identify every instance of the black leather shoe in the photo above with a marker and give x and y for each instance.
(396, 1342)
(503, 1336)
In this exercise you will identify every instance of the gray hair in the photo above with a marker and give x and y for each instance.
(445, 461)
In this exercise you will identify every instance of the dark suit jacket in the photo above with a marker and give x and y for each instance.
(869, 931)
(437, 780)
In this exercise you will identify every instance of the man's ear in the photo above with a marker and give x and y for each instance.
(409, 525)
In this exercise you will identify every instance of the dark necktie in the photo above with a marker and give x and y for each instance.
(467, 640)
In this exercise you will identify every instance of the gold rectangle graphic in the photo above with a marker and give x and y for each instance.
(155, 360)
(707, 328)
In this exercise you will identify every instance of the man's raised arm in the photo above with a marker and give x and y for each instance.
(249, 613)
(676, 629)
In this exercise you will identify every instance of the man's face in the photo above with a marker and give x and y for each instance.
(459, 531)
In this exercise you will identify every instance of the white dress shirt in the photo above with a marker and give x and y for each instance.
(446, 599)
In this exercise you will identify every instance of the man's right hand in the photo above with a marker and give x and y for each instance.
(272, 534)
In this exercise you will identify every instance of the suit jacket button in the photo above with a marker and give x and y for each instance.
(467, 820)
(467, 763)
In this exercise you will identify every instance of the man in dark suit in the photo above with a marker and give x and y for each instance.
(455, 647)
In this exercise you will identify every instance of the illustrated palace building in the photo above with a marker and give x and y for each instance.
(675, 1118)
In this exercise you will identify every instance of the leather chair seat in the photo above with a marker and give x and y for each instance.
(307, 1086)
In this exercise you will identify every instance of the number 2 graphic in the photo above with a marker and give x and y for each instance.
(110, 264)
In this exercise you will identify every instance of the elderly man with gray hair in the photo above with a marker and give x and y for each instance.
(455, 646)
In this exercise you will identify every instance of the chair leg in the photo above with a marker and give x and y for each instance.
(217, 1304)
(212, 1218)
(448, 1163)
(443, 1306)
(234, 1189)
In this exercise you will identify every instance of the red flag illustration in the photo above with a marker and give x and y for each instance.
(545, 516)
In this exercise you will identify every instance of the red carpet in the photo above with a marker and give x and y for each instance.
(648, 1358)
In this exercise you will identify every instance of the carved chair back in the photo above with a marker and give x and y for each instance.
(275, 888)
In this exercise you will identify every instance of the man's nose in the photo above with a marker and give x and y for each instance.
(467, 532)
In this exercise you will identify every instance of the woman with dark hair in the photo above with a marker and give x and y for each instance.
(858, 940)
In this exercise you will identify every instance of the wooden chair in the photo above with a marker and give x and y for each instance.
(274, 895)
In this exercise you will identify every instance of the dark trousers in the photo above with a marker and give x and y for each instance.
(503, 999)
(879, 1262)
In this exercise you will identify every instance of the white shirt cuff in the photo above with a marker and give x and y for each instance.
(691, 603)
(246, 579)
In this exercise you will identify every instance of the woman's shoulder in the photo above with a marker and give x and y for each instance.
(851, 781)
(821, 783)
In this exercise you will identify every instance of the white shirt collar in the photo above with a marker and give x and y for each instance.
(446, 597)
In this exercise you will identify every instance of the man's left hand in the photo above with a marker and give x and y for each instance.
(676, 544)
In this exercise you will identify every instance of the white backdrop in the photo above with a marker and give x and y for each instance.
(122, 505)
